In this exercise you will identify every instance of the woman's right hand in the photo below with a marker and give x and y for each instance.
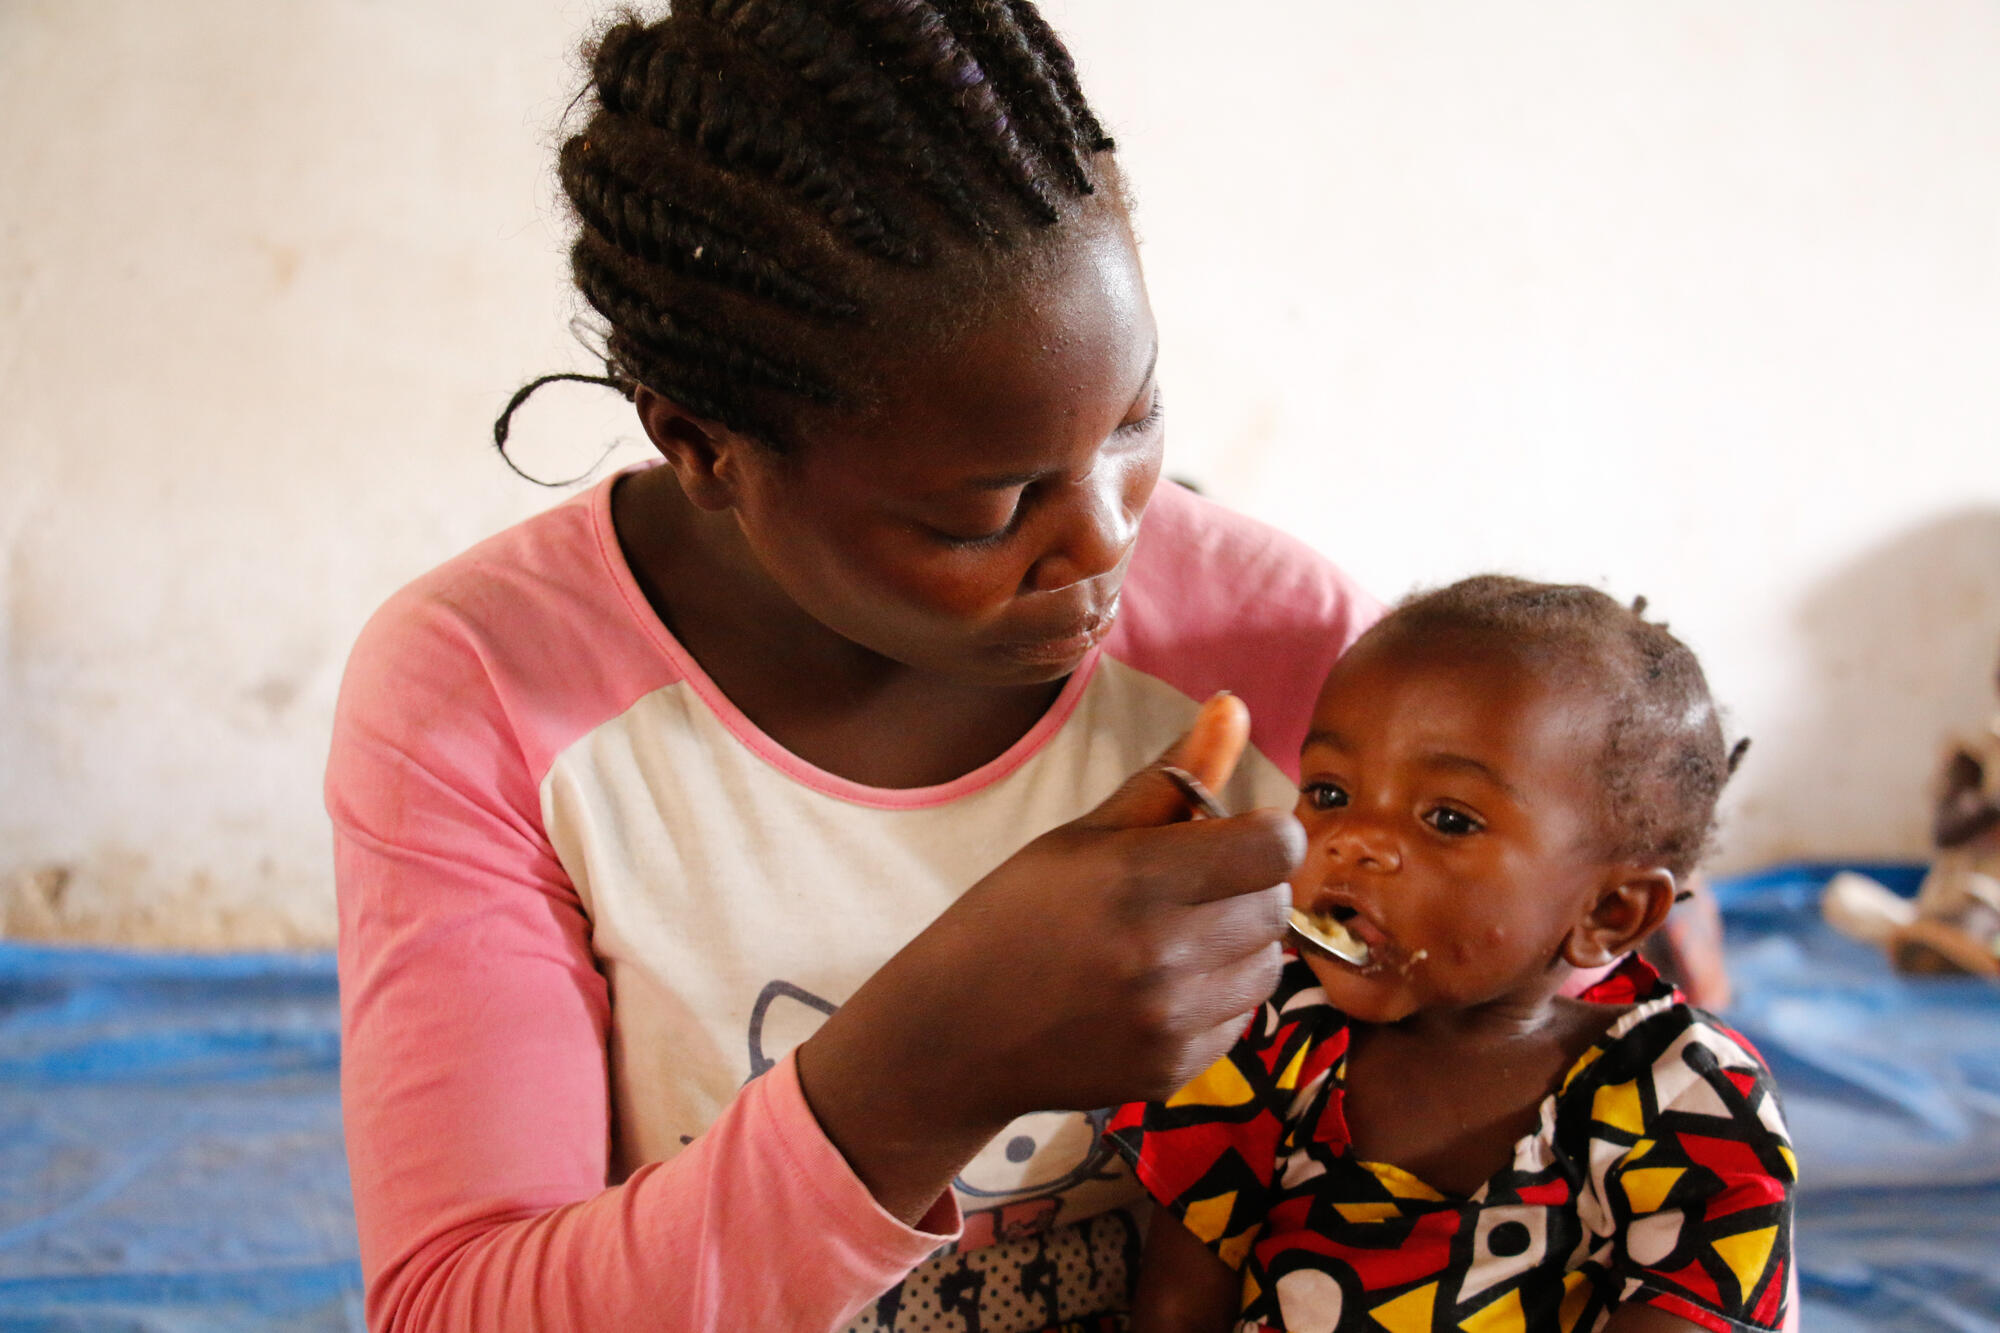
(1109, 960)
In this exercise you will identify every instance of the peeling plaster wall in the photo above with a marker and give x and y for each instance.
(1689, 299)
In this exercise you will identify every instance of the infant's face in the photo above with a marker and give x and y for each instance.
(1448, 796)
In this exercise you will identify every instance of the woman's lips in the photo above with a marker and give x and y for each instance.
(1066, 644)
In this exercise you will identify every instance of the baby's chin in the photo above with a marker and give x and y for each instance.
(1366, 997)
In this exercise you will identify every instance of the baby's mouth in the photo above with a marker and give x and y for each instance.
(1343, 933)
(1328, 931)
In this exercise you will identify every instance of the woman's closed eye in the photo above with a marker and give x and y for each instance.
(950, 536)
(1451, 822)
(1154, 414)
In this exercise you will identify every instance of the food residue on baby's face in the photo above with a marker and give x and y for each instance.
(1333, 936)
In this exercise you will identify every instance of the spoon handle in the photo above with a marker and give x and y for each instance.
(1204, 802)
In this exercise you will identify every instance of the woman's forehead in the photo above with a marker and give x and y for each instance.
(1050, 368)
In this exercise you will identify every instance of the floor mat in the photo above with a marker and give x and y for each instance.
(1892, 1088)
(170, 1155)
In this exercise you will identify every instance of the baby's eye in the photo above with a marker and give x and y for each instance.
(1452, 823)
(1323, 795)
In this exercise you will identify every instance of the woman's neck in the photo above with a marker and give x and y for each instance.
(832, 702)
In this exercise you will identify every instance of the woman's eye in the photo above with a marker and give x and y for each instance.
(988, 538)
(1151, 419)
(1452, 823)
(1323, 795)
(952, 539)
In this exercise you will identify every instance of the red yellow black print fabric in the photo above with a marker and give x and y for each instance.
(1661, 1173)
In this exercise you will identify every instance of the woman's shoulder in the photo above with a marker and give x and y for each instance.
(551, 565)
(537, 630)
(1199, 546)
(1215, 600)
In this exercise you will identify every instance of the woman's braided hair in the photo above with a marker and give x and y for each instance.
(761, 181)
(1663, 762)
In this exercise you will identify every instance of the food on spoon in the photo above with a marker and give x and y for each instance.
(1331, 935)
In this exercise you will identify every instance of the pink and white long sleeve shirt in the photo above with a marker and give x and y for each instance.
(587, 911)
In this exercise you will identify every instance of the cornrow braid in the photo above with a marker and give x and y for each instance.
(681, 356)
(756, 180)
(1062, 70)
(683, 241)
(831, 62)
(1031, 81)
(918, 37)
(690, 94)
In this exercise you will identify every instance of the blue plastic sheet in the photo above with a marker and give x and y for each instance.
(1892, 1088)
(170, 1154)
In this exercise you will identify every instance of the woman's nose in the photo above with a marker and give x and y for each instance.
(1092, 528)
(1365, 845)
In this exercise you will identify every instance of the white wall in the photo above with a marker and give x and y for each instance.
(1694, 299)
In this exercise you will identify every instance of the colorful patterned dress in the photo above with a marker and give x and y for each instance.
(1661, 1173)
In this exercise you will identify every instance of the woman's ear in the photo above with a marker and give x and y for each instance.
(701, 452)
(1627, 907)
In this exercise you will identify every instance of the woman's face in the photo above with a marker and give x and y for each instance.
(979, 522)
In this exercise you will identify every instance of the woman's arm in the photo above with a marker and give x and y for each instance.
(475, 1080)
(475, 1095)
(1184, 1287)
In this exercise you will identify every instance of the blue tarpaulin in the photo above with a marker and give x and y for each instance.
(170, 1154)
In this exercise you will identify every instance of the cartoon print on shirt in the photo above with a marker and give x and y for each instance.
(795, 1026)
(1014, 1268)
(1023, 1171)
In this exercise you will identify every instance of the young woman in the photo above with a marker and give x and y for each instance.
(750, 871)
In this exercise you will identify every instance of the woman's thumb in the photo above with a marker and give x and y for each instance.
(1209, 750)
(1215, 742)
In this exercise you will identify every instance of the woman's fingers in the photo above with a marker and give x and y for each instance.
(1215, 742)
(1209, 751)
(1215, 934)
(1104, 959)
(1210, 859)
(1233, 1000)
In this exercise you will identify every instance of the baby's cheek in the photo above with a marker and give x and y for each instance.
(1479, 943)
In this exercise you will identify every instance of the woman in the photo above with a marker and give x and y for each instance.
(695, 973)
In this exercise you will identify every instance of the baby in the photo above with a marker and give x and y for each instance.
(1502, 786)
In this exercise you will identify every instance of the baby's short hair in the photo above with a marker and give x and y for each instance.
(1663, 761)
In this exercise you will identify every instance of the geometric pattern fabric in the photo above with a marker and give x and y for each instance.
(1660, 1173)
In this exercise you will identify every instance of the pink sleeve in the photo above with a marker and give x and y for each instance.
(474, 1081)
(1218, 601)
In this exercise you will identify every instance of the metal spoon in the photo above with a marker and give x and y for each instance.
(1345, 947)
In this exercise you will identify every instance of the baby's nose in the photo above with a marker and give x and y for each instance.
(1365, 845)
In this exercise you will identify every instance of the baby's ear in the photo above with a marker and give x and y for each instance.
(1628, 906)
